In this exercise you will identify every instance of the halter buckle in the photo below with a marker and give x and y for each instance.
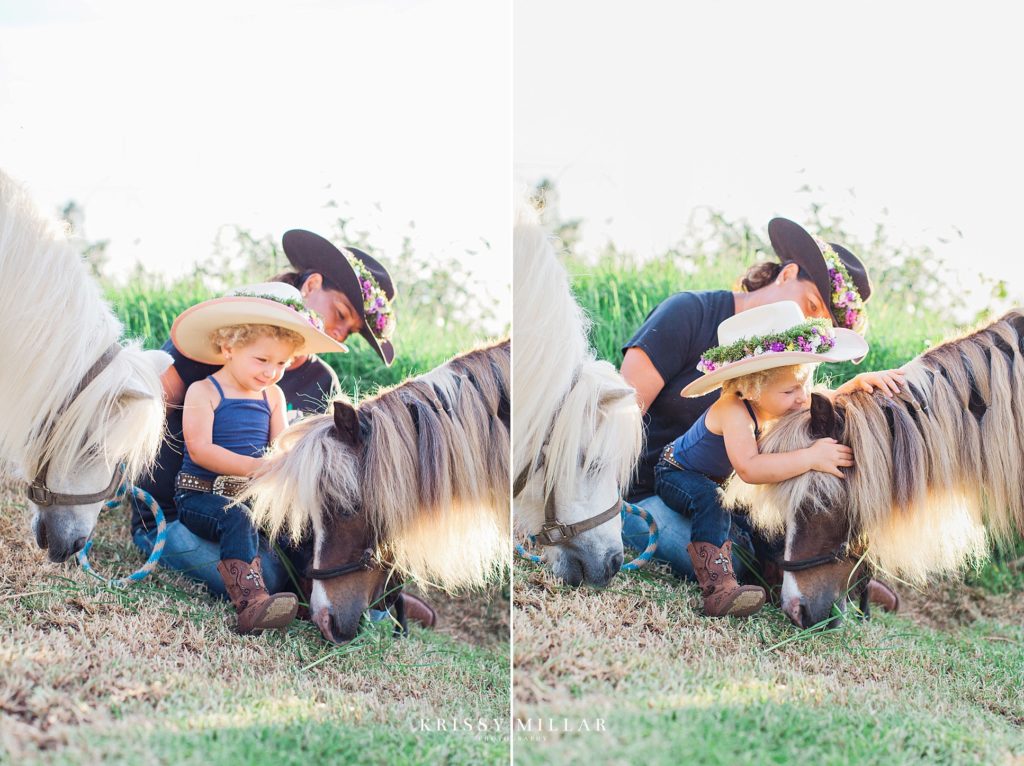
(553, 533)
(39, 495)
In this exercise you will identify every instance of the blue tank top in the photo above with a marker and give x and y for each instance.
(239, 425)
(703, 451)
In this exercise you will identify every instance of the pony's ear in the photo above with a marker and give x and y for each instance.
(823, 417)
(160, 360)
(614, 395)
(346, 423)
(133, 395)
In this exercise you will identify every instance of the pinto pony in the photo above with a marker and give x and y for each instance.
(413, 479)
(939, 469)
(577, 429)
(79, 411)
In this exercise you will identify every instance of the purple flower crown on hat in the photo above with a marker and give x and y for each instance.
(846, 304)
(297, 306)
(377, 310)
(815, 336)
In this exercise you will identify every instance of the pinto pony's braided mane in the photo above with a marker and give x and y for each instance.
(936, 467)
(431, 474)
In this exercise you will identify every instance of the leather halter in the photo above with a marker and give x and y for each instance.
(552, 531)
(392, 599)
(365, 562)
(42, 495)
(839, 554)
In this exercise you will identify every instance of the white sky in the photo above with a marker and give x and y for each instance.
(646, 111)
(166, 121)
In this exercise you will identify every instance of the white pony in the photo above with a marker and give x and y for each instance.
(577, 428)
(54, 328)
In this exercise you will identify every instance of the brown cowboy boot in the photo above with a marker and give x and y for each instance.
(722, 594)
(418, 610)
(257, 609)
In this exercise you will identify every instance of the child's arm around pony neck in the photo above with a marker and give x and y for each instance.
(755, 468)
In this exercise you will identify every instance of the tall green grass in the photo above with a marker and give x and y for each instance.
(618, 292)
(147, 309)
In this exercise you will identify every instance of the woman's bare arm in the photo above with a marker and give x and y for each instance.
(174, 387)
(639, 372)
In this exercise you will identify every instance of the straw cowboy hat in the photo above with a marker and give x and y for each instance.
(270, 303)
(773, 335)
(364, 281)
(838, 274)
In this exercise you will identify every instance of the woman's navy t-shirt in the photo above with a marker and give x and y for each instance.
(674, 335)
(309, 388)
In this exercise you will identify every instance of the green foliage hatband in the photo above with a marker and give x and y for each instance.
(813, 337)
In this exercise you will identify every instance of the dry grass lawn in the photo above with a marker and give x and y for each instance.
(942, 682)
(154, 673)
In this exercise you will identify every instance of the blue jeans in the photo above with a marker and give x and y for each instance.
(674, 535)
(197, 558)
(697, 497)
(214, 518)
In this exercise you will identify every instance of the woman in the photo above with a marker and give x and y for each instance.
(825, 279)
(352, 293)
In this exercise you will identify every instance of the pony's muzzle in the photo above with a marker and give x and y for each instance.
(822, 613)
(338, 627)
(578, 566)
(54, 535)
(39, 530)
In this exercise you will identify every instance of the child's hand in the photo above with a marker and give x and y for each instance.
(889, 382)
(828, 456)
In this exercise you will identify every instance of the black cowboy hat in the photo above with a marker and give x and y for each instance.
(791, 242)
(310, 252)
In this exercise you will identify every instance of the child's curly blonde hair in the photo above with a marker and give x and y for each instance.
(750, 386)
(238, 335)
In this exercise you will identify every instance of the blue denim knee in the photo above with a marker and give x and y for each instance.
(197, 559)
(697, 497)
(214, 517)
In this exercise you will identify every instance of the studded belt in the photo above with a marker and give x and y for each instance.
(229, 486)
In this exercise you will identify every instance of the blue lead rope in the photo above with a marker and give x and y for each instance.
(629, 566)
(158, 547)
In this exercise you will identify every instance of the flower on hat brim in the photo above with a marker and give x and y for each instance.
(378, 313)
(845, 302)
(295, 305)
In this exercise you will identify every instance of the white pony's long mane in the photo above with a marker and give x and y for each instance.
(56, 324)
(435, 492)
(931, 478)
(574, 409)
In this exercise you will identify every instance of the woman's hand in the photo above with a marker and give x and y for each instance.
(828, 456)
(889, 382)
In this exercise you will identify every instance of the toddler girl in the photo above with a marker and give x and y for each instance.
(229, 419)
(764, 367)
